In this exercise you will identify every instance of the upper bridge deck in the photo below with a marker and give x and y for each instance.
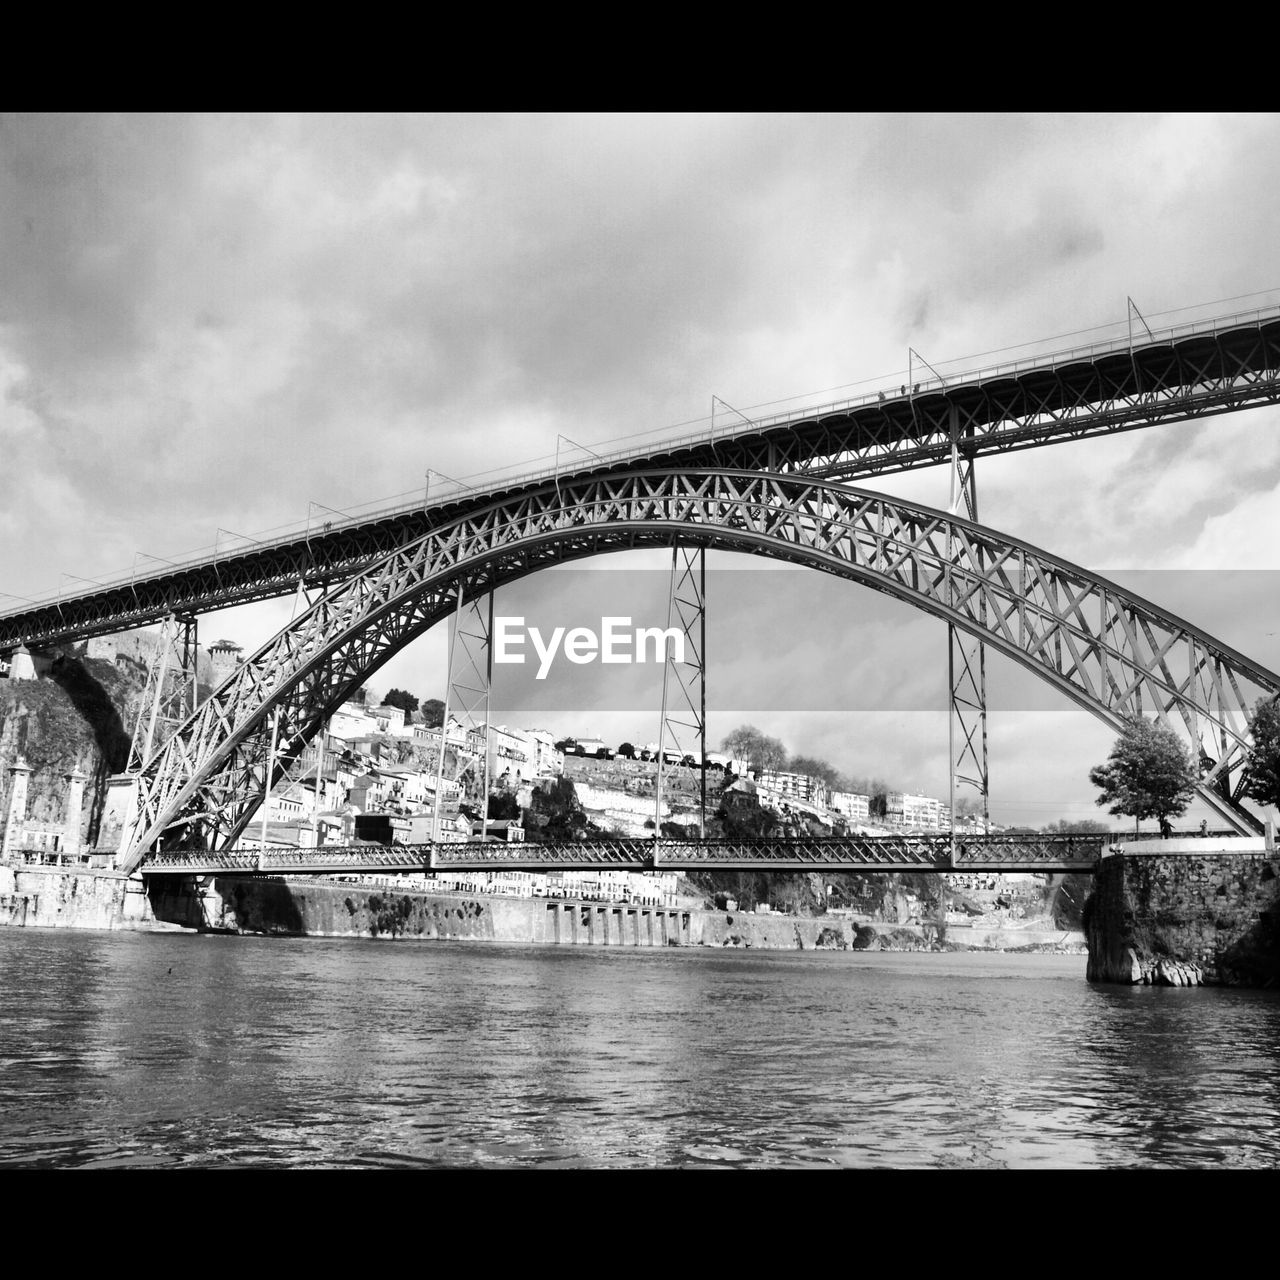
(1205, 367)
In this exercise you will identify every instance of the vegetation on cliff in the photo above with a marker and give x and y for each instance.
(555, 814)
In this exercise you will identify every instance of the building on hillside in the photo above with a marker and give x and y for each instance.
(913, 811)
(391, 720)
(288, 802)
(296, 833)
(325, 753)
(455, 828)
(331, 795)
(851, 804)
(508, 830)
(457, 738)
(351, 722)
(793, 786)
(393, 828)
(368, 793)
(512, 758)
(547, 760)
(740, 796)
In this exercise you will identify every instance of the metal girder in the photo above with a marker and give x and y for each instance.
(1108, 650)
(170, 693)
(466, 699)
(966, 654)
(839, 853)
(683, 719)
(1227, 364)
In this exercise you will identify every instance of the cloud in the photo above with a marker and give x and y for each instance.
(209, 321)
(1245, 537)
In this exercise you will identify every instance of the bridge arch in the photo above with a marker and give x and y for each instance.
(1107, 649)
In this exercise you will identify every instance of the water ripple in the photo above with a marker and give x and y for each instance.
(343, 1054)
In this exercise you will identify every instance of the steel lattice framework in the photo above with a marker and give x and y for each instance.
(1042, 853)
(1106, 649)
(1223, 365)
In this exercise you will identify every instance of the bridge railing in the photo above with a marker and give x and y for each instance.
(520, 474)
(905, 852)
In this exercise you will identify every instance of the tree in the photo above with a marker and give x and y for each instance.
(742, 742)
(504, 807)
(1261, 781)
(627, 750)
(1148, 774)
(1079, 826)
(814, 768)
(759, 750)
(400, 698)
(432, 713)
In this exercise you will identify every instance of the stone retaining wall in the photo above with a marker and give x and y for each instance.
(50, 898)
(1181, 920)
(316, 908)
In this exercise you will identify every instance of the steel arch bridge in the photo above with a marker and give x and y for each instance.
(1106, 649)
(774, 485)
(1218, 366)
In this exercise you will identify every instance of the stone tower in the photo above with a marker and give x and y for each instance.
(224, 656)
(20, 772)
(20, 665)
(75, 803)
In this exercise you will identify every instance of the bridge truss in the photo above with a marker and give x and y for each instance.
(1104, 648)
(1225, 364)
(978, 853)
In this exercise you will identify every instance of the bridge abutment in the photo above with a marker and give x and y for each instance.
(1174, 918)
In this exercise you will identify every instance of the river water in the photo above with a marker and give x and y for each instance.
(167, 1050)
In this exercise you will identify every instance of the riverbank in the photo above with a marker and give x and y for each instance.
(307, 907)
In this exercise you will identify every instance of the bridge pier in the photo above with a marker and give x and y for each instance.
(1160, 915)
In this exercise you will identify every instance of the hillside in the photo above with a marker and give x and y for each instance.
(78, 715)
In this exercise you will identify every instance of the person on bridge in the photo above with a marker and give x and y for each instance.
(1165, 829)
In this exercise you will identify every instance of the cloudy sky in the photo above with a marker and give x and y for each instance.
(210, 323)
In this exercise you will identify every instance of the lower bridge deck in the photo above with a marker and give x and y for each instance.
(977, 853)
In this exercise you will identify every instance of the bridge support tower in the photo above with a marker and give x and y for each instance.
(467, 698)
(170, 695)
(966, 656)
(683, 720)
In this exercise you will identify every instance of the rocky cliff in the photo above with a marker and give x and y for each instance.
(78, 715)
